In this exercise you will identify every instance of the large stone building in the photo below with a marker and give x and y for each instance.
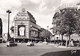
(25, 27)
(0, 30)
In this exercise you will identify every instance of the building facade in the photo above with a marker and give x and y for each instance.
(0, 30)
(25, 27)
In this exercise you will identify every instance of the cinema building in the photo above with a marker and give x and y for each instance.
(25, 27)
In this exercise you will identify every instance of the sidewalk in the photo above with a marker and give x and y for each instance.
(59, 46)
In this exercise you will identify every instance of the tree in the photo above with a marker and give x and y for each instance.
(58, 21)
(45, 34)
(70, 21)
(78, 22)
(66, 21)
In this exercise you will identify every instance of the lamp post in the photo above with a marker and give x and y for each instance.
(47, 33)
(8, 11)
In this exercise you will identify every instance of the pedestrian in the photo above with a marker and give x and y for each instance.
(71, 43)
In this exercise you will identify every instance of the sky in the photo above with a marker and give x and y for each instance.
(42, 10)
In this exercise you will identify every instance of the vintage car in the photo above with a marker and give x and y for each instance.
(11, 44)
(30, 44)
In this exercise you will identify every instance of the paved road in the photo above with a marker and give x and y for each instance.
(23, 50)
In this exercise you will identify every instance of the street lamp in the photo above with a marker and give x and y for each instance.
(47, 34)
(8, 11)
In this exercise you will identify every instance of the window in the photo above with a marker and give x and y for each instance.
(21, 30)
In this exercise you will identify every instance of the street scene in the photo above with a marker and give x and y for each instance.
(40, 28)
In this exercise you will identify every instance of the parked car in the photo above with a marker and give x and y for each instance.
(30, 44)
(45, 43)
(10, 44)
